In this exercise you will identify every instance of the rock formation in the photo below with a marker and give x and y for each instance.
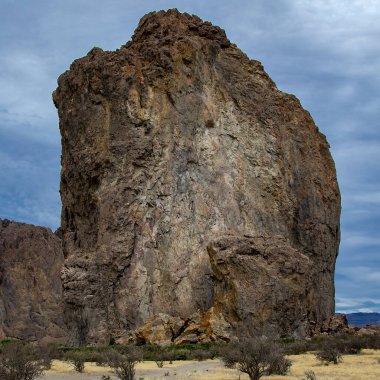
(31, 260)
(191, 186)
(337, 324)
(262, 282)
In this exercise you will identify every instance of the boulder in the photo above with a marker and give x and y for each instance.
(165, 329)
(160, 330)
(263, 285)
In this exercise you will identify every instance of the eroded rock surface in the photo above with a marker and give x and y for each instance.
(200, 327)
(262, 284)
(168, 144)
(30, 285)
(336, 324)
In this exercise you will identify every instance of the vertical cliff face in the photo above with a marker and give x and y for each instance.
(168, 144)
(31, 306)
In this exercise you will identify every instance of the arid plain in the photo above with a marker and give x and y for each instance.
(365, 365)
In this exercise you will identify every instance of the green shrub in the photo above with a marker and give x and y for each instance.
(201, 354)
(4, 342)
(181, 354)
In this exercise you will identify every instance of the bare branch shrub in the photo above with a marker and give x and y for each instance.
(77, 359)
(372, 341)
(329, 353)
(201, 355)
(169, 356)
(19, 361)
(123, 363)
(160, 358)
(256, 357)
(349, 344)
(296, 348)
(48, 352)
(310, 375)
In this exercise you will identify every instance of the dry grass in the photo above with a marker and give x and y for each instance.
(354, 367)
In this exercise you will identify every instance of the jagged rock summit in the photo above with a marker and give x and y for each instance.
(31, 306)
(199, 202)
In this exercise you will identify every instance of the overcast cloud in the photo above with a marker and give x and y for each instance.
(326, 52)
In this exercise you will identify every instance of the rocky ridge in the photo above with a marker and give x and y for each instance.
(31, 306)
(191, 186)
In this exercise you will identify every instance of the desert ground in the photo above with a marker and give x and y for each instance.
(365, 365)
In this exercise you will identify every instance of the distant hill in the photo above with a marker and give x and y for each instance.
(362, 319)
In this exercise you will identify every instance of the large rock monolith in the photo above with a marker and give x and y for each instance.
(190, 184)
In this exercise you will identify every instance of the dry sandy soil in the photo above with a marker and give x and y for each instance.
(365, 366)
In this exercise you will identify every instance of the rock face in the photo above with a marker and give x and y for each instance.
(174, 143)
(30, 286)
(262, 283)
(337, 324)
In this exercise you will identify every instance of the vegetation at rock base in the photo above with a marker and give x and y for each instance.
(267, 355)
(345, 344)
(329, 353)
(160, 358)
(19, 361)
(123, 362)
(77, 359)
(256, 357)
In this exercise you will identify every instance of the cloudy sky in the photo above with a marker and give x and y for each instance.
(326, 52)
